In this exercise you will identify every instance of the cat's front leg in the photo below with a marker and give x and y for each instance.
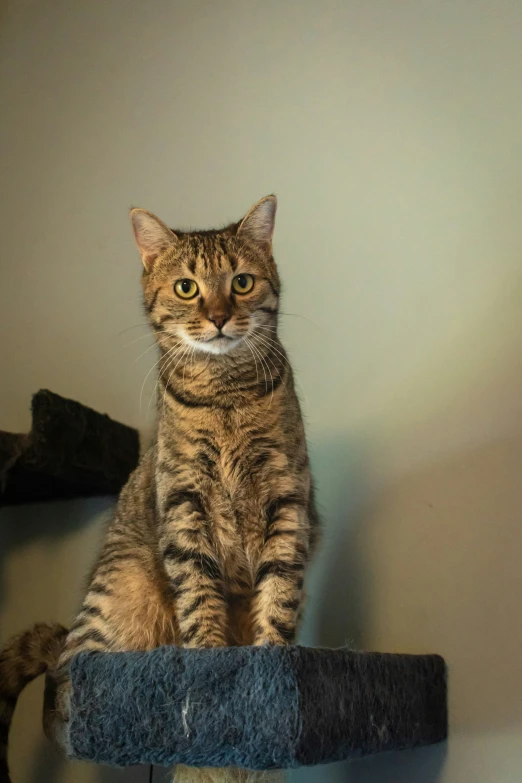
(280, 573)
(193, 571)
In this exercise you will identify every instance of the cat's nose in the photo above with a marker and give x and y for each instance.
(218, 319)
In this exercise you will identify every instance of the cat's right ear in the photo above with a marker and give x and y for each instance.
(152, 236)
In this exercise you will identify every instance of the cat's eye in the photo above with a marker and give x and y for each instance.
(186, 289)
(242, 284)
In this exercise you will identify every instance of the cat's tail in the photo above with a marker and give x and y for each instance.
(184, 774)
(26, 656)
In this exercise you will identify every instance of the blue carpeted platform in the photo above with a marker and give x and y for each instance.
(253, 707)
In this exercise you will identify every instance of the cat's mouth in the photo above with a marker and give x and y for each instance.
(219, 336)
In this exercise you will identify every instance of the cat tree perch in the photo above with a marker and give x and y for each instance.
(71, 451)
(252, 707)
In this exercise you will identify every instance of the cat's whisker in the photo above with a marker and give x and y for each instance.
(285, 358)
(258, 354)
(137, 340)
(272, 362)
(271, 332)
(272, 381)
(136, 326)
(273, 345)
(265, 332)
(255, 360)
(263, 364)
(170, 358)
(297, 315)
(269, 343)
(154, 391)
(155, 345)
(270, 335)
(179, 350)
(190, 359)
(127, 345)
(183, 354)
(205, 366)
(147, 376)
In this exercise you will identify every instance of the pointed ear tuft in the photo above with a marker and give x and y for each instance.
(258, 224)
(152, 236)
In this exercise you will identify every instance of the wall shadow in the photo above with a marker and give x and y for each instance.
(46, 522)
(423, 765)
(336, 611)
(51, 767)
(339, 611)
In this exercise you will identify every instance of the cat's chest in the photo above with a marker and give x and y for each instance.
(237, 466)
(246, 462)
(247, 466)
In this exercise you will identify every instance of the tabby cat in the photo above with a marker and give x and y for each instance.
(213, 531)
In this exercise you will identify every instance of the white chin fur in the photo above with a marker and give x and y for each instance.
(215, 347)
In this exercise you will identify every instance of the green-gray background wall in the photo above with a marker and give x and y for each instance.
(392, 134)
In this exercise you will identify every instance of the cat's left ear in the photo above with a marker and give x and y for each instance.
(258, 224)
(152, 236)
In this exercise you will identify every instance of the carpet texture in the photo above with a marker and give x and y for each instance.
(252, 707)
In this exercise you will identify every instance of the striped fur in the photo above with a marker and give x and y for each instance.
(214, 529)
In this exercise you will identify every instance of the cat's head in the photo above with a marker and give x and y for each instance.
(210, 289)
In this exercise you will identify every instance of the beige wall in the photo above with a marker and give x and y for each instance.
(392, 134)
